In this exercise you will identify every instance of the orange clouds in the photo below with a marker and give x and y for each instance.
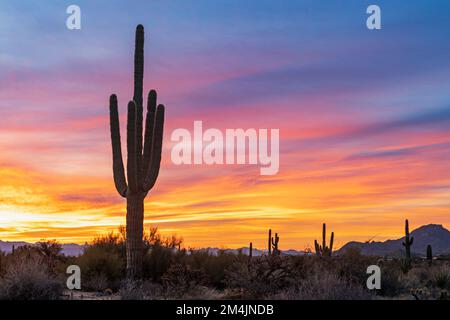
(358, 193)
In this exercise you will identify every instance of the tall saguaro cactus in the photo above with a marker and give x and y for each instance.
(143, 156)
(408, 243)
(323, 250)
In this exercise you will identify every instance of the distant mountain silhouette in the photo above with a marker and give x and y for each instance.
(69, 249)
(432, 234)
(256, 252)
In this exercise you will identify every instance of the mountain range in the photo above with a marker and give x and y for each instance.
(68, 249)
(433, 234)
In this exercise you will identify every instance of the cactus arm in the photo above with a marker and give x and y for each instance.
(152, 174)
(270, 242)
(411, 241)
(149, 127)
(139, 65)
(138, 141)
(324, 234)
(118, 169)
(137, 98)
(131, 148)
(331, 243)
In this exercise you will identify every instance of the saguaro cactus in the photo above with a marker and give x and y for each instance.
(269, 245)
(250, 251)
(323, 250)
(275, 241)
(143, 156)
(429, 254)
(408, 243)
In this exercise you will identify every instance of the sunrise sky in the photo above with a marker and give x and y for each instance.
(364, 117)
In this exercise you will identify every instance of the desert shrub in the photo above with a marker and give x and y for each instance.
(260, 277)
(181, 281)
(160, 253)
(139, 290)
(409, 281)
(325, 285)
(102, 264)
(391, 283)
(157, 261)
(202, 293)
(49, 248)
(154, 238)
(441, 277)
(303, 266)
(111, 242)
(421, 274)
(100, 269)
(27, 278)
(214, 266)
(352, 265)
(97, 282)
(405, 265)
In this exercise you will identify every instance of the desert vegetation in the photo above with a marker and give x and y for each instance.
(170, 271)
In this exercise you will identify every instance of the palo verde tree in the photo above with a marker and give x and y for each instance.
(143, 157)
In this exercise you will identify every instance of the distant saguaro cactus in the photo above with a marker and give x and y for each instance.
(429, 254)
(274, 242)
(250, 251)
(143, 156)
(269, 245)
(408, 243)
(323, 250)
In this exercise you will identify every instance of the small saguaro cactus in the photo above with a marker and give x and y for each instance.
(143, 157)
(323, 250)
(429, 254)
(250, 251)
(408, 243)
(274, 242)
(269, 245)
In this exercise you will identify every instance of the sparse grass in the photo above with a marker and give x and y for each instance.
(441, 277)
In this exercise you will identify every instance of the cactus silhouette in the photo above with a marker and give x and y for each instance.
(429, 254)
(323, 250)
(407, 244)
(250, 251)
(272, 244)
(275, 241)
(143, 156)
